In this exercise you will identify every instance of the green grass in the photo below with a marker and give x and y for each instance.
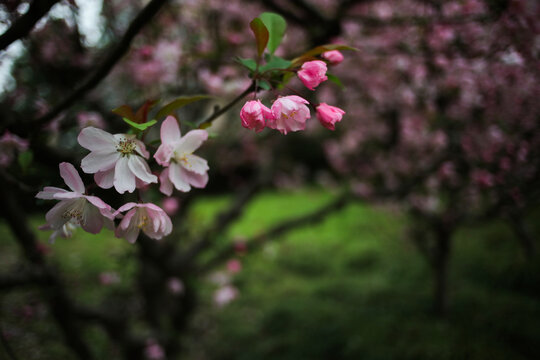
(350, 287)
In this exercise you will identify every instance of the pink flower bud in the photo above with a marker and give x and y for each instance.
(329, 115)
(254, 114)
(289, 114)
(313, 73)
(334, 57)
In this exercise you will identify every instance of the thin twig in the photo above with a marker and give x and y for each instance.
(108, 63)
(23, 25)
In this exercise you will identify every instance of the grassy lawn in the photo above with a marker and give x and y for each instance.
(350, 287)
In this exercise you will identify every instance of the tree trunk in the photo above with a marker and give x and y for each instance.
(440, 270)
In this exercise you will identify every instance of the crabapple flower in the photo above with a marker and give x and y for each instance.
(149, 218)
(289, 114)
(9, 145)
(334, 57)
(254, 114)
(183, 169)
(116, 160)
(75, 208)
(329, 115)
(313, 73)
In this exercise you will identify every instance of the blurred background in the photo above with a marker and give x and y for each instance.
(409, 232)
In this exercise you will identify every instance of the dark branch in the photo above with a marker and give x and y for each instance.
(23, 25)
(287, 226)
(116, 53)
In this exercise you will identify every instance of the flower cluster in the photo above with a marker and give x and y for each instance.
(290, 113)
(119, 161)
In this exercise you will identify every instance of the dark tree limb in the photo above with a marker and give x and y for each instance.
(60, 304)
(281, 229)
(114, 55)
(24, 24)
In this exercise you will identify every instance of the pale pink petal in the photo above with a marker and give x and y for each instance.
(170, 131)
(191, 141)
(196, 164)
(55, 216)
(71, 177)
(194, 179)
(163, 155)
(140, 169)
(104, 208)
(124, 180)
(109, 224)
(99, 161)
(93, 220)
(95, 139)
(67, 195)
(126, 221)
(125, 207)
(177, 178)
(49, 192)
(166, 186)
(141, 149)
(155, 217)
(105, 179)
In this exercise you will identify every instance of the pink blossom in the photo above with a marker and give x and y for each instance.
(90, 118)
(175, 286)
(329, 115)
(149, 218)
(153, 351)
(334, 57)
(115, 160)
(289, 114)
(313, 73)
(225, 295)
(254, 114)
(183, 169)
(234, 266)
(9, 145)
(74, 208)
(171, 205)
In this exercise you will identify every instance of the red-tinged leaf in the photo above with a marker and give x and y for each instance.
(178, 103)
(261, 34)
(319, 50)
(125, 111)
(142, 113)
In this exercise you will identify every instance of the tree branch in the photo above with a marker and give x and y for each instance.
(116, 53)
(23, 25)
(285, 227)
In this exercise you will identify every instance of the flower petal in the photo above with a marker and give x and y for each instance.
(163, 154)
(104, 208)
(124, 180)
(194, 179)
(71, 177)
(49, 192)
(55, 216)
(105, 179)
(177, 178)
(196, 164)
(92, 221)
(140, 169)
(166, 186)
(99, 161)
(95, 139)
(170, 131)
(191, 141)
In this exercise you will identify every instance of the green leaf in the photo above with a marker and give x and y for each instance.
(261, 34)
(142, 126)
(335, 80)
(248, 63)
(276, 26)
(275, 62)
(263, 84)
(309, 55)
(178, 103)
(25, 159)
